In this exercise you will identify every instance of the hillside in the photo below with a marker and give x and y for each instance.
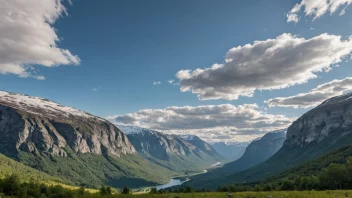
(257, 152)
(314, 167)
(178, 153)
(71, 144)
(9, 166)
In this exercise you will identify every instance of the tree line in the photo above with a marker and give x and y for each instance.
(335, 176)
(12, 186)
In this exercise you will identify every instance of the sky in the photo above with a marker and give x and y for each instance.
(229, 70)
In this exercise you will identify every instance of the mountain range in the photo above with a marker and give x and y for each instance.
(83, 149)
(179, 153)
(71, 144)
(321, 130)
(42, 139)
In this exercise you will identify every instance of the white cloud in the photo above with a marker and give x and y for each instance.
(265, 65)
(317, 8)
(156, 83)
(315, 96)
(171, 81)
(95, 89)
(208, 122)
(28, 38)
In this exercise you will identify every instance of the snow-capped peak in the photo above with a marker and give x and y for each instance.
(128, 129)
(40, 106)
(189, 137)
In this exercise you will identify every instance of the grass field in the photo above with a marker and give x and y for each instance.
(273, 194)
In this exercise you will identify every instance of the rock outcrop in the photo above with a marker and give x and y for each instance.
(37, 125)
(332, 118)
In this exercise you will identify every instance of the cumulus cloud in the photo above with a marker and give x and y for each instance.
(265, 65)
(156, 83)
(317, 8)
(28, 38)
(315, 96)
(208, 122)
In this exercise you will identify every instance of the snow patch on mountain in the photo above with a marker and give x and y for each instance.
(40, 106)
(128, 129)
(189, 137)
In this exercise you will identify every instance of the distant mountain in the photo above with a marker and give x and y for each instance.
(256, 152)
(71, 144)
(178, 153)
(231, 151)
(319, 131)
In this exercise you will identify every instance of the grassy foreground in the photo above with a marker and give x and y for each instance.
(274, 194)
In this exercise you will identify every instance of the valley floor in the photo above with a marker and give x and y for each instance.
(273, 194)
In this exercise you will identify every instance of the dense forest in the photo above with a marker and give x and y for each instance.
(334, 176)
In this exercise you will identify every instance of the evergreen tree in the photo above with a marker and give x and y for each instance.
(126, 190)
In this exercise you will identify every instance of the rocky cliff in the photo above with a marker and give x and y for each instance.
(332, 117)
(37, 125)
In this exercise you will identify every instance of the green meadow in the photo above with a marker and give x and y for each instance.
(273, 194)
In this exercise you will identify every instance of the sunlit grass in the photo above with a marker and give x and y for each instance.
(274, 194)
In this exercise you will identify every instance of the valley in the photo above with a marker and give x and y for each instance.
(41, 143)
(175, 99)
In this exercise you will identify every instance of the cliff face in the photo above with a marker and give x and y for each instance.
(37, 125)
(332, 118)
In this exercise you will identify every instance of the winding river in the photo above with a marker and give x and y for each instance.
(177, 182)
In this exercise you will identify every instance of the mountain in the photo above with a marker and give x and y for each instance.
(200, 144)
(319, 131)
(184, 154)
(256, 152)
(231, 151)
(71, 144)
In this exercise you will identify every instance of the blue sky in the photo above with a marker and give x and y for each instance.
(125, 46)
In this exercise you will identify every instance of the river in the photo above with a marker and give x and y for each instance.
(177, 182)
(172, 182)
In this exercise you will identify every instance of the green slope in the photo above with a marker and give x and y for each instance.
(9, 166)
(315, 166)
(94, 170)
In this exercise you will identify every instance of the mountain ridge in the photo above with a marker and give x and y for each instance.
(176, 152)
